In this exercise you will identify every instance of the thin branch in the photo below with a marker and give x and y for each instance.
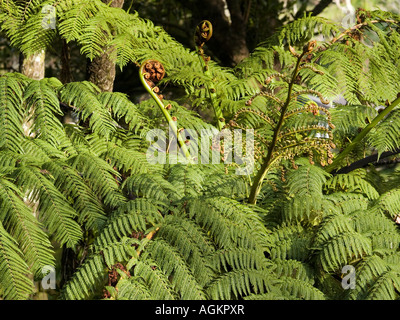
(375, 159)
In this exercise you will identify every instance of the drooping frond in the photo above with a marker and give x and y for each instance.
(290, 242)
(11, 97)
(21, 224)
(175, 267)
(14, 282)
(43, 107)
(54, 209)
(353, 183)
(83, 98)
(101, 178)
(85, 202)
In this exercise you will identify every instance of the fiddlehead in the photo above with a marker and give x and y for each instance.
(150, 73)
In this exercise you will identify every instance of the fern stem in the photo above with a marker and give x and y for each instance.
(361, 136)
(203, 34)
(213, 97)
(165, 112)
(258, 180)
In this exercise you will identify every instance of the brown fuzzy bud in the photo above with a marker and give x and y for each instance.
(309, 47)
(232, 123)
(293, 51)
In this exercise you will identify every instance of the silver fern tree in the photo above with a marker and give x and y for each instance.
(134, 230)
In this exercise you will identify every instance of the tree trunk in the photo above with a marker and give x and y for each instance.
(33, 66)
(101, 71)
(238, 45)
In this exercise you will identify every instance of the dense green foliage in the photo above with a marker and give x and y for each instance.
(190, 231)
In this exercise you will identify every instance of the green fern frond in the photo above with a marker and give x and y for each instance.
(389, 203)
(186, 180)
(242, 282)
(352, 182)
(85, 202)
(340, 249)
(228, 222)
(152, 187)
(385, 136)
(375, 280)
(21, 224)
(174, 266)
(194, 248)
(348, 202)
(83, 97)
(135, 216)
(86, 279)
(300, 290)
(43, 108)
(11, 100)
(122, 108)
(54, 210)
(290, 242)
(228, 259)
(156, 281)
(14, 281)
(100, 177)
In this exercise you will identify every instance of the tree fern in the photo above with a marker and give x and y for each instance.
(192, 231)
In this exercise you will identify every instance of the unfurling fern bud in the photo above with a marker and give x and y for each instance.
(232, 123)
(294, 165)
(309, 47)
(310, 158)
(293, 52)
(153, 71)
(203, 33)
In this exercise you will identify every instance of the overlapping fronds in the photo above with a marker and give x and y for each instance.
(14, 281)
(194, 231)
